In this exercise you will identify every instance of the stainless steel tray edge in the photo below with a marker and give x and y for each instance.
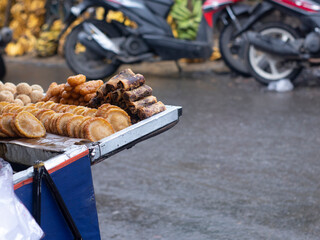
(134, 132)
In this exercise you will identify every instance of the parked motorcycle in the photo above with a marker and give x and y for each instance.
(5, 38)
(236, 20)
(108, 45)
(278, 50)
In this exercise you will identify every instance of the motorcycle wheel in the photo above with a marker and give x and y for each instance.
(232, 49)
(83, 61)
(266, 68)
(2, 68)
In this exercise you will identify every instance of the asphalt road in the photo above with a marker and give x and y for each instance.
(242, 163)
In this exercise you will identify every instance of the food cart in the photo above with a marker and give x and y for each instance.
(53, 175)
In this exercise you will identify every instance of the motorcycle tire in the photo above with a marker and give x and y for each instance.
(267, 68)
(85, 61)
(2, 68)
(232, 50)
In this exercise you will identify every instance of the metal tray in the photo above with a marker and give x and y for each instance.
(27, 151)
(138, 132)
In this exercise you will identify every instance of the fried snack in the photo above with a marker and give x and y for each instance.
(36, 87)
(78, 130)
(2, 134)
(134, 106)
(65, 94)
(36, 96)
(150, 110)
(137, 93)
(72, 123)
(63, 101)
(2, 105)
(14, 128)
(48, 105)
(39, 104)
(61, 123)
(118, 119)
(90, 87)
(96, 129)
(55, 99)
(28, 125)
(45, 116)
(76, 80)
(24, 88)
(70, 108)
(5, 126)
(78, 110)
(50, 92)
(15, 109)
(89, 96)
(6, 109)
(40, 112)
(6, 96)
(18, 102)
(52, 123)
(90, 112)
(24, 98)
(68, 88)
(129, 80)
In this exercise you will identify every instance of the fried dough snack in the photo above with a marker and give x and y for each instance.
(96, 129)
(76, 80)
(118, 119)
(28, 125)
(5, 126)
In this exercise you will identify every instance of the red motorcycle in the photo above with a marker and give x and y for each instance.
(279, 50)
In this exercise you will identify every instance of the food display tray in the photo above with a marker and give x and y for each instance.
(26, 152)
(138, 132)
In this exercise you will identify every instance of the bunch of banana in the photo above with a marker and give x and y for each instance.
(3, 5)
(118, 16)
(47, 43)
(187, 16)
(27, 19)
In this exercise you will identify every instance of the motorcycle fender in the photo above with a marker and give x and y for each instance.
(238, 9)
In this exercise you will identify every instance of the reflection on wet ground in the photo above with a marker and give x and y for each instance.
(242, 163)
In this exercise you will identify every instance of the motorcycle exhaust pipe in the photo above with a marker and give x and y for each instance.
(272, 45)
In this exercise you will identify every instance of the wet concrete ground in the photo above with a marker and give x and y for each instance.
(242, 163)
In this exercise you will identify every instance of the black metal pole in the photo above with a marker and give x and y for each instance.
(36, 204)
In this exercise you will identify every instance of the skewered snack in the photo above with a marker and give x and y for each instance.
(128, 91)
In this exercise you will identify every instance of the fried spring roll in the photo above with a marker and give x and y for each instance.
(150, 110)
(112, 84)
(134, 106)
(128, 80)
(137, 94)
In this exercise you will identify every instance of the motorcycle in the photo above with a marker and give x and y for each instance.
(107, 45)
(280, 51)
(5, 38)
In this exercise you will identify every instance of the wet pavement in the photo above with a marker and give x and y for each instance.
(242, 163)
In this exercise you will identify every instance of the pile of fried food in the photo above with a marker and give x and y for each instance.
(21, 94)
(77, 91)
(129, 91)
(67, 120)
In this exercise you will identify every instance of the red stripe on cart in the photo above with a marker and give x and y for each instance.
(56, 168)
